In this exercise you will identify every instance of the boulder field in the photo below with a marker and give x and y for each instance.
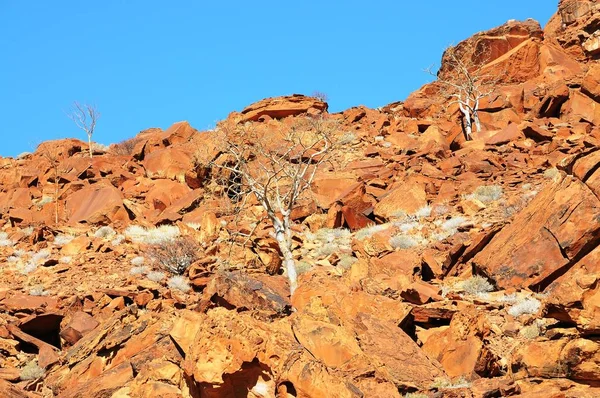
(429, 265)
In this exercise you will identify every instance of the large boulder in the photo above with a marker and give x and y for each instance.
(280, 107)
(486, 47)
(97, 204)
(560, 224)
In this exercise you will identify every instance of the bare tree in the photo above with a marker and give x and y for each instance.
(276, 171)
(465, 80)
(85, 117)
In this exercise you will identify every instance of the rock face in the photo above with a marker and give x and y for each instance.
(280, 107)
(558, 226)
(426, 263)
(97, 205)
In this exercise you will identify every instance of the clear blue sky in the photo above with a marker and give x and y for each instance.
(150, 63)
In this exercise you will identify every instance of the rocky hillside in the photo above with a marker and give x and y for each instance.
(429, 265)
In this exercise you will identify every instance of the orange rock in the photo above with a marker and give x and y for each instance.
(280, 107)
(553, 229)
(407, 198)
(79, 325)
(101, 204)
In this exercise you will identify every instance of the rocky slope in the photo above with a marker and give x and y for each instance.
(430, 266)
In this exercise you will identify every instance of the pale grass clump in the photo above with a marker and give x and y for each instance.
(38, 291)
(12, 259)
(326, 242)
(27, 231)
(40, 256)
(4, 241)
(347, 138)
(139, 270)
(551, 173)
(526, 306)
(44, 200)
(152, 236)
(415, 395)
(104, 232)
(453, 223)
(474, 286)
(63, 239)
(179, 282)
(347, 261)
(32, 371)
(28, 268)
(138, 261)
(367, 232)
(65, 260)
(303, 267)
(423, 212)
(486, 193)
(403, 241)
(442, 383)
(156, 276)
(193, 225)
(117, 240)
(530, 332)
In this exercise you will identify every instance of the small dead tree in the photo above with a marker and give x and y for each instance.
(277, 170)
(85, 118)
(464, 79)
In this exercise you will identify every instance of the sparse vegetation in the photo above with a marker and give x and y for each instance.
(125, 148)
(138, 261)
(32, 371)
(423, 212)
(415, 395)
(551, 173)
(525, 306)
(85, 117)
(104, 232)
(179, 282)
(442, 383)
(370, 231)
(156, 276)
(38, 291)
(403, 241)
(117, 240)
(63, 239)
(65, 260)
(475, 285)
(4, 241)
(152, 236)
(486, 193)
(175, 256)
(530, 332)
(139, 270)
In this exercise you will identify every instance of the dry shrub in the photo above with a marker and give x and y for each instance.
(125, 148)
(175, 256)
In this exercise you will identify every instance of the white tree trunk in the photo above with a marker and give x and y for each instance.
(288, 260)
(90, 144)
(467, 120)
(477, 121)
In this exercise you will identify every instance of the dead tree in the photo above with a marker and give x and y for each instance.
(464, 79)
(85, 117)
(276, 171)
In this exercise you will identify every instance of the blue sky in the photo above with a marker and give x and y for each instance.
(150, 63)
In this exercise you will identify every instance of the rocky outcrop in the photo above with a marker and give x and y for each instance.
(280, 107)
(427, 264)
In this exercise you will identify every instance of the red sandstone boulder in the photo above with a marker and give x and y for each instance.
(97, 204)
(557, 226)
(280, 107)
